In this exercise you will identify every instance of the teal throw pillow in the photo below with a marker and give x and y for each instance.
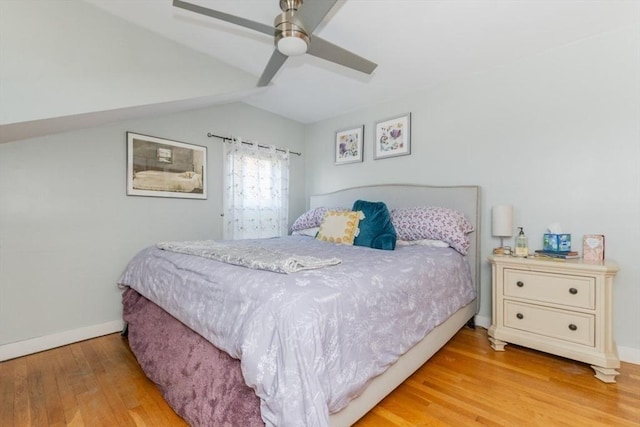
(376, 229)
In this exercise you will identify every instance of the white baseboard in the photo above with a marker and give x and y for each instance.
(629, 355)
(626, 354)
(485, 322)
(35, 345)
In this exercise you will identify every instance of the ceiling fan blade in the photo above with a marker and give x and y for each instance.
(329, 51)
(312, 12)
(276, 61)
(258, 26)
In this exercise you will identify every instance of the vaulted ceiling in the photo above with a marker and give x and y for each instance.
(417, 44)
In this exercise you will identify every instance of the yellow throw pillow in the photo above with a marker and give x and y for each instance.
(339, 227)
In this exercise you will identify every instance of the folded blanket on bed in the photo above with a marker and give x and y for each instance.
(249, 256)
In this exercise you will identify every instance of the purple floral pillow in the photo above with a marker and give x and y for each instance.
(312, 218)
(433, 223)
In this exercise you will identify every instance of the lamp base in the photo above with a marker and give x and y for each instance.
(503, 250)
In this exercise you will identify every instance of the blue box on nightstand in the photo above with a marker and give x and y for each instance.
(556, 242)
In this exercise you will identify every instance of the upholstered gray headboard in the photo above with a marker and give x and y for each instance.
(463, 198)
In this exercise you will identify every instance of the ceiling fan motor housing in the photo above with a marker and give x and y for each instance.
(291, 38)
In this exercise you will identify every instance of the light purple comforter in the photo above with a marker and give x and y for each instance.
(308, 342)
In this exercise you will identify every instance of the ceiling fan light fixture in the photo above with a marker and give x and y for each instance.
(293, 43)
(291, 37)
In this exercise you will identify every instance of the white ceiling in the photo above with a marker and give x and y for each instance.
(416, 43)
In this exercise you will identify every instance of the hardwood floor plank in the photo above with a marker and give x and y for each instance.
(389, 418)
(374, 419)
(7, 393)
(63, 375)
(22, 411)
(459, 396)
(53, 404)
(449, 403)
(99, 383)
(94, 407)
(103, 378)
(37, 403)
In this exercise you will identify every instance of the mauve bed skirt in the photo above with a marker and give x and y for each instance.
(203, 384)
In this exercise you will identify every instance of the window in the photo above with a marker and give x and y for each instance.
(256, 192)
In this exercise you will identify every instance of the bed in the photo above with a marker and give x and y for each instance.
(207, 385)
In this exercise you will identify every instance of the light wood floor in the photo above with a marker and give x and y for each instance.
(98, 383)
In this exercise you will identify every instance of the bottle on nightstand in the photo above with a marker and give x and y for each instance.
(522, 248)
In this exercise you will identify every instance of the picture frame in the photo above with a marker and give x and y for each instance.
(593, 247)
(392, 137)
(160, 167)
(349, 145)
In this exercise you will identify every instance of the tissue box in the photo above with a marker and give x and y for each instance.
(556, 242)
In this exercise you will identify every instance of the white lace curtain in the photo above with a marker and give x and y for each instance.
(256, 191)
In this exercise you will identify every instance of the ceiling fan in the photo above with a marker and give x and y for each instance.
(293, 34)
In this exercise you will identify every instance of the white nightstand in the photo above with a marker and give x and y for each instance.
(559, 307)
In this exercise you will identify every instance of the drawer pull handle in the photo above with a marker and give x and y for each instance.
(573, 291)
(519, 283)
(520, 316)
(573, 327)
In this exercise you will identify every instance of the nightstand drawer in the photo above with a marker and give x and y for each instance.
(564, 325)
(572, 291)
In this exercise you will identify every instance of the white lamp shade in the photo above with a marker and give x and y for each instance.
(502, 221)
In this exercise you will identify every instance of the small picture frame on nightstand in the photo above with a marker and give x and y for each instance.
(593, 247)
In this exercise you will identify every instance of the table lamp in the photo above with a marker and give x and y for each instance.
(502, 224)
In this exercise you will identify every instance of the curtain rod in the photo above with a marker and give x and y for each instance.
(226, 138)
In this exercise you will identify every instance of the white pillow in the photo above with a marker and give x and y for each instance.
(424, 242)
(306, 232)
(339, 227)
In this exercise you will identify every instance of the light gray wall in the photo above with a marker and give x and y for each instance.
(67, 228)
(556, 135)
(82, 59)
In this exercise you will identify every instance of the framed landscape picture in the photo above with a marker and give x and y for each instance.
(159, 167)
(349, 145)
(393, 137)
